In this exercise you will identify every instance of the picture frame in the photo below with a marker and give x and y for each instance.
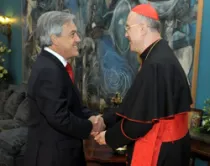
(197, 51)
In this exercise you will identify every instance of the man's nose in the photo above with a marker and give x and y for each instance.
(126, 34)
(77, 38)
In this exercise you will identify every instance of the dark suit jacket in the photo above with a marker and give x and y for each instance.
(57, 121)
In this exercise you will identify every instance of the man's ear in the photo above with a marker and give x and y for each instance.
(144, 29)
(54, 39)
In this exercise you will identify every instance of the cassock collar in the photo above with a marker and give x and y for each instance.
(146, 51)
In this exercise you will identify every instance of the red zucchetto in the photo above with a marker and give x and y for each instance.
(146, 10)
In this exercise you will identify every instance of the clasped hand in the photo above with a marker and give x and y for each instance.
(98, 129)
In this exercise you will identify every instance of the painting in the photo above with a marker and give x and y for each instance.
(106, 65)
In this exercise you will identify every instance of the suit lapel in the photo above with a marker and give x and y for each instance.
(78, 93)
(52, 58)
(60, 65)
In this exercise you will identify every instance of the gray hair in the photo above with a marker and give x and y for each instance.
(51, 23)
(152, 24)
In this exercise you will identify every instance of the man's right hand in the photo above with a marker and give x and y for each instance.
(98, 124)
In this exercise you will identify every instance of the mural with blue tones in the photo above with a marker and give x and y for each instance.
(106, 65)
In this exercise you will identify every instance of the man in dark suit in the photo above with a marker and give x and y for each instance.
(57, 121)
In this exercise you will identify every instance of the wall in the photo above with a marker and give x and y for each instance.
(203, 84)
(203, 81)
(14, 61)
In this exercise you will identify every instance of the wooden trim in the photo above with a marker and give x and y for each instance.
(197, 50)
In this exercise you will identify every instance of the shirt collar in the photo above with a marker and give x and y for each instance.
(60, 58)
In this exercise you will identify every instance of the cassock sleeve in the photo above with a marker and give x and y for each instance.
(159, 91)
(124, 132)
(110, 117)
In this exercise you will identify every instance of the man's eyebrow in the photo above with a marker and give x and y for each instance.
(74, 31)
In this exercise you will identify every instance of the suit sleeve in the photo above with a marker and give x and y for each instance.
(87, 113)
(124, 132)
(52, 101)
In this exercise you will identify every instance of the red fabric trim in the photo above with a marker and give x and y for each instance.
(152, 121)
(123, 132)
(133, 120)
(147, 148)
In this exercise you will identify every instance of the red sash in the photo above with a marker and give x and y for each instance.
(147, 148)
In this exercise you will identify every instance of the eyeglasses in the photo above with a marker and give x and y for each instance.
(129, 27)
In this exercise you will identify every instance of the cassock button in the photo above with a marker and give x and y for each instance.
(126, 163)
(126, 155)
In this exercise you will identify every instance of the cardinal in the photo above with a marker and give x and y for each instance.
(153, 117)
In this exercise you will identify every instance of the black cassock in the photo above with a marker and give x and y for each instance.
(160, 91)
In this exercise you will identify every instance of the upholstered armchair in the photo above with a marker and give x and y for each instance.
(13, 122)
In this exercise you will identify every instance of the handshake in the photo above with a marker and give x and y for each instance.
(98, 129)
